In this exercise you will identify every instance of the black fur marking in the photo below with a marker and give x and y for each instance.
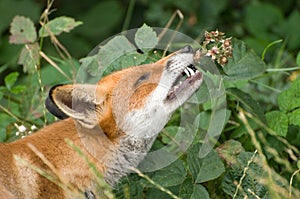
(89, 195)
(52, 107)
(142, 78)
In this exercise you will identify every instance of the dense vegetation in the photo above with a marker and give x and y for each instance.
(248, 111)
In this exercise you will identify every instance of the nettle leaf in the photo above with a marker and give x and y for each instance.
(254, 174)
(294, 117)
(204, 169)
(11, 79)
(290, 98)
(22, 31)
(278, 121)
(58, 25)
(146, 38)
(29, 57)
(172, 175)
(245, 64)
(248, 102)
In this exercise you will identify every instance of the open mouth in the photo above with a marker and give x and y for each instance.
(184, 81)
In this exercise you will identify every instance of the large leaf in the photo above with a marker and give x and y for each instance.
(58, 25)
(114, 49)
(278, 121)
(245, 64)
(145, 38)
(248, 102)
(290, 98)
(172, 175)
(22, 31)
(199, 192)
(204, 169)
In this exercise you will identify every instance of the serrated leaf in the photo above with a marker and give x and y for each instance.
(29, 57)
(254, 174)
(204, 169)
(11, 79)
(290, 98)
(113, 50)
(245, 64)
(294, 117)
(146, 38)
(58, 25)
(248, 102)
(172, 175)
(278, 121)
(22, 31)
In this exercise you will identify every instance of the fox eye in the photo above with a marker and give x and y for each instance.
(142, 78)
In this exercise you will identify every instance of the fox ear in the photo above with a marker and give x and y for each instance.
(76, 101)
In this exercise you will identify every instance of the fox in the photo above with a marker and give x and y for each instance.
(114, 123)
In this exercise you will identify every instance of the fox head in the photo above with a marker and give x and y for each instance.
(135, 101)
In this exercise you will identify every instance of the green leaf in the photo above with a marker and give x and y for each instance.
(245, 64)
(29, 58)
(298, 164)
(199, 192)
(294, 117)
(248, 102)
(298, 59)
(186, 188)
(172, 175)
(119, 53)
(145, 38)
(254, 174)
(22, 31)
(189, 190)
(58, 25)
(278, 121)
(11, 79)
(290, 98)
(170, 132)
(204, 169)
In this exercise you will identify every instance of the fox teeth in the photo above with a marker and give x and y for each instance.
(186, 71)
(190, 71)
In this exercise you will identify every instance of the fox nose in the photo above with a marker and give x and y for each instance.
(187, 49)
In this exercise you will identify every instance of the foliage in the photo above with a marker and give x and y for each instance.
(257, 154)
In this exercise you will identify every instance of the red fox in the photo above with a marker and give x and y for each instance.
(113, 122)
